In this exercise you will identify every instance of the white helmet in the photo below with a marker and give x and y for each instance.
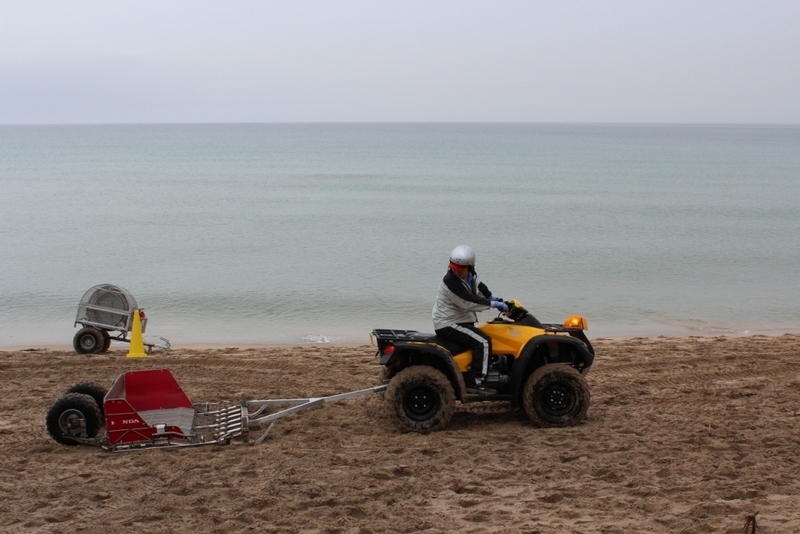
(463, 255)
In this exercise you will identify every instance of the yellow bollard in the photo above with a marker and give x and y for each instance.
(137, 341)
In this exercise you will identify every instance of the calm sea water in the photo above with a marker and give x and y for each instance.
(306, 233)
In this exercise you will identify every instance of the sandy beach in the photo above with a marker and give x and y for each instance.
(684, 435)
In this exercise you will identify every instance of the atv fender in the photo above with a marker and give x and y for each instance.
(531, 358)
(415, 353)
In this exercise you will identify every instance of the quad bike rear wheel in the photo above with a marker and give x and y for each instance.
(422, 398)
(89, 340)
(74, 415)
(556, 395)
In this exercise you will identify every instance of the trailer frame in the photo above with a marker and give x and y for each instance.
(148, 409)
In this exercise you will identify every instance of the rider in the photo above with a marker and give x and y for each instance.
(460, 296)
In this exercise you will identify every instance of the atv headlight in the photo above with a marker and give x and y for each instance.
(576, 321)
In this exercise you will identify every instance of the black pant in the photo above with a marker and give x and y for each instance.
(467, 334)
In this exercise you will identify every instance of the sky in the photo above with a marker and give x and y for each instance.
(233, 61)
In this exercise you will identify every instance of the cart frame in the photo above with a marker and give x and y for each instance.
(148, 409)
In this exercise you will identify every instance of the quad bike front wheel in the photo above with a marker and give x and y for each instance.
(74, 415)
(89, 340)
(556, 395)
(422, 398)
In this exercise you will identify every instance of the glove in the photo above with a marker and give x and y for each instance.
(495, 299)
(500, 306)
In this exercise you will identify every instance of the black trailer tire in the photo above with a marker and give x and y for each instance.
(88, 340)
(422, 398)
(76, 415)
(106, 340)
(93, 389)
(556, 395)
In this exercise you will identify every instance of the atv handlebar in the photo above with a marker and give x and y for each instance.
(515, 310)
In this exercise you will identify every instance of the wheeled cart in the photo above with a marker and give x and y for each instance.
(104, 310)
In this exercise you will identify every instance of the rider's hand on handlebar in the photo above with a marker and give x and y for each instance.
(501, 306)
(495, 299)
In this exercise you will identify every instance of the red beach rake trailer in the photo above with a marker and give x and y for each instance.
(148, 408)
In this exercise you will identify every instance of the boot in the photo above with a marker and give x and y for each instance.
(480, 388)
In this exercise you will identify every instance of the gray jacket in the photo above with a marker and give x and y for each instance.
(458, 301)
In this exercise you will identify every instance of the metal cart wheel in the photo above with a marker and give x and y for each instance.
(74, 415)
(93, 389)
(88, 340)
(106, 340)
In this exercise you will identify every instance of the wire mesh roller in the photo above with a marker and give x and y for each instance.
(108, 307)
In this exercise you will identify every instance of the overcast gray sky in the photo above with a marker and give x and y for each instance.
(673, 61)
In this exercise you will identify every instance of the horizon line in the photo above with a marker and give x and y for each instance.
(520, 123)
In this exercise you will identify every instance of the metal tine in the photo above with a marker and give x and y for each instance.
(224, 429)
(230, 418)
(214, 412)
(223, 419)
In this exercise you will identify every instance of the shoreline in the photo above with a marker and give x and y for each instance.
(64, 347)
(223, 334)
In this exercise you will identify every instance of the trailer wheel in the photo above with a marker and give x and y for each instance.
(88, 340)
(556, 395)
(422, 398)
(94, 390)
(106, 340)
(74, 415)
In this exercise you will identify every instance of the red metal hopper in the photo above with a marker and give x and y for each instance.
(143, 405)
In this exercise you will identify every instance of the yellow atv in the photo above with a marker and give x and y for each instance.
(540, 367)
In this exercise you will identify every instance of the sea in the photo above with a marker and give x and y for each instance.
(239, 234)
